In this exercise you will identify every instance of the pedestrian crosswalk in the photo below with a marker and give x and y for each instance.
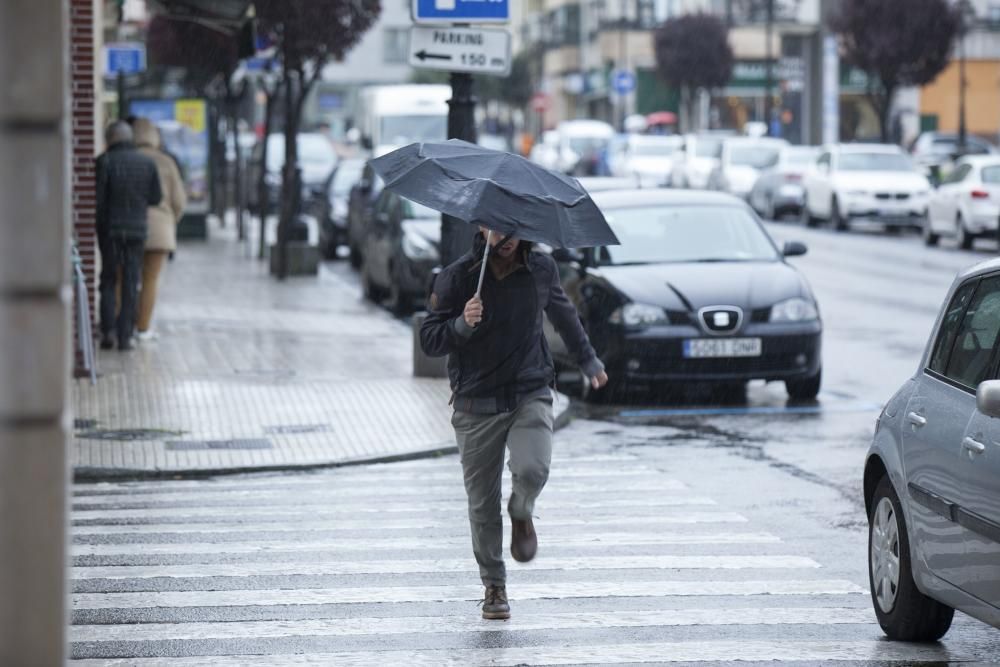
(373, 566)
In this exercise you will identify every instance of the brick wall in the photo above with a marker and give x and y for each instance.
(83, 59)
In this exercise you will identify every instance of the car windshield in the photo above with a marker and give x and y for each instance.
(347, 175)
(991, 175)
(399, 130)
(708, 147)
(875, 162)
(314, 150)
(414, 211)
(587, 145)
(801, 157)
(654, 148)
(756, 156)
(686, 233)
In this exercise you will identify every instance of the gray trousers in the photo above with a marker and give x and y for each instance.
(527, 433)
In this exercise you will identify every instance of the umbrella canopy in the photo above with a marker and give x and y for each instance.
(498, 190)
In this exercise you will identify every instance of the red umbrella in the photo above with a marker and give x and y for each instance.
(661, 118)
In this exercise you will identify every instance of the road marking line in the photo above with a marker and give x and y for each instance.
(266, 598)
(869, 652)
(469, 623)
(334, 523)
(458, 565)
(411, 544)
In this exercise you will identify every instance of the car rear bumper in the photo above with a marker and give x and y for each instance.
(788, 352)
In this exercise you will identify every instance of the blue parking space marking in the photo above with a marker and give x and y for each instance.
(820, 408)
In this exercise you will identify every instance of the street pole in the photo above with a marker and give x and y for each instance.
(455, 234)
(622, 64)
(769, 67)
(122, 103)
(961, 82)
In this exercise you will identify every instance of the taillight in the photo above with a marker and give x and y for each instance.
(793, 178)
(980, 194)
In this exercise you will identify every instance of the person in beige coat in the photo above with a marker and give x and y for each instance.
(162, 219)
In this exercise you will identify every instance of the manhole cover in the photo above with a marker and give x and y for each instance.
(84, 423)
(235, 443)
(296, 429)
(128, 434)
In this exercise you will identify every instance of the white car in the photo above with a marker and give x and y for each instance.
(870, 181)
(696, 159)
(647, 158)
(580, 145)
(967, 203)
(741, 162)
(779, 189)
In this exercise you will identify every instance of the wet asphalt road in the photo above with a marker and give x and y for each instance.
(681, 533)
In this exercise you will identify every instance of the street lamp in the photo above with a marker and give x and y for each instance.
(966, 14)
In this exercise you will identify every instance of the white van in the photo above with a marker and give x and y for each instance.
(399, 115)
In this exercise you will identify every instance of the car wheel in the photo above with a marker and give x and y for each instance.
(838, 221)
(903, 611)
(965, 239)
(396, 300)
(930, 237)
(806, 389)
(371, 291)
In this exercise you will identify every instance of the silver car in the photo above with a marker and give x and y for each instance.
(932, 476)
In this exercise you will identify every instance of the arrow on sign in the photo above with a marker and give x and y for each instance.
(423, 55)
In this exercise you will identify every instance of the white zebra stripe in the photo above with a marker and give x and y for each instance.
(250, 598)
(416, 523)
(869, 651)
(412, 544)
(470, 623)
(457, 565)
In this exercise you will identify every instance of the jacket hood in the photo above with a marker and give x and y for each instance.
(145, 133)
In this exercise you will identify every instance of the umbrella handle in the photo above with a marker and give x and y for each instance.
(482, 270)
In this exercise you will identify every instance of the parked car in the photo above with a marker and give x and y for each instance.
(967, 203)
(330, 205)
(741, 162)
(580, 144)
(936, 148)
(932, 474)
(696, 292)
(779, 190)
(871, 181)
(402, 247)
(646, 157)
(695, 160)
(317, 159)
(360, 209)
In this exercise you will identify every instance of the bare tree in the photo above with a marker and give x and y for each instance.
(693, 54)
(307, 34)
(896, 43)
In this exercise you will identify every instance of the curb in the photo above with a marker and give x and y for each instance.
(562, 418)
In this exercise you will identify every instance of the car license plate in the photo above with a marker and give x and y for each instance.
(697, 348)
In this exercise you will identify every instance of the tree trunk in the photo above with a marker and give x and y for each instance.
(237, 169)
(881, 101)
(288, 182)
(262, 198)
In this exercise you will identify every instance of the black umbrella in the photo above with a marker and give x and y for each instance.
(501, 191)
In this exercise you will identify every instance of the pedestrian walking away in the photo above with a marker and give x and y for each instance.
(162, 221)
(127, 183)
(486, 312)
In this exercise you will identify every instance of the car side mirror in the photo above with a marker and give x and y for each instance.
(567, 256)
(794, 249)
(988, 398)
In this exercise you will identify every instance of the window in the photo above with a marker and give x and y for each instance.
(396, 46)
(823, 162)
(959, 174)
(949, 327)
(991, 175)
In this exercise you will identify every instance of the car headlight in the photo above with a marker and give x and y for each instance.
(795, 309)
(638, 314)
(416, 247)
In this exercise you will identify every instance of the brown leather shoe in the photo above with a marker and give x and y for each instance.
(523, 540)
(495, 605)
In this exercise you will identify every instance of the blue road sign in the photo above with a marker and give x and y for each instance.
(461, 11)
(124, 58)
(623, 81)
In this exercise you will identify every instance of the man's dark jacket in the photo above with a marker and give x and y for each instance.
(127, 183)
(504, 360)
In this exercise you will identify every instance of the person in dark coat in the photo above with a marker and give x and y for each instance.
(127, 185)
(501, 377)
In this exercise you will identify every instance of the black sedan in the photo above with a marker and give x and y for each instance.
(697, 292)
(400, 251)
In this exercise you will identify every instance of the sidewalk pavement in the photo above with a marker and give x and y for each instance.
(249, 374)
